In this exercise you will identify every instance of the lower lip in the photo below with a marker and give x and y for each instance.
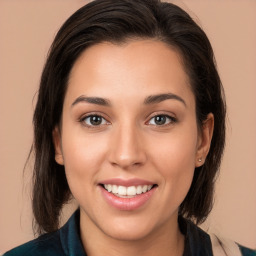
(127, 204)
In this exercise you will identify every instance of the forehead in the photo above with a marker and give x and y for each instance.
(132, 68)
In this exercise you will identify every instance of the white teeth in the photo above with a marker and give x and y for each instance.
(109, 188)
(131, 191)
(121, 190)
(144, 188)
(114, 189)
(127, 191)
(149, 187)
(139, 190)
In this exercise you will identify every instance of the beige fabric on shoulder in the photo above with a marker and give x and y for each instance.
(224, 247)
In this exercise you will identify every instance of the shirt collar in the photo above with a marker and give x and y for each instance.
(70, 236)
(197, 242)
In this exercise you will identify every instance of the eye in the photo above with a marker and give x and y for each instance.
(161, 120)
(94, 120)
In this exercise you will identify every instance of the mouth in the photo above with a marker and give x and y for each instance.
(127, 192)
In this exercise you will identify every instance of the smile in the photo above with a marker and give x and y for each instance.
(127, 192)
(127, 195)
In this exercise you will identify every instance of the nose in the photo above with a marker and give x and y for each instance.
(127, 147)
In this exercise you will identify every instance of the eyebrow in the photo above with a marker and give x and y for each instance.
(92, 100)
(152, 99)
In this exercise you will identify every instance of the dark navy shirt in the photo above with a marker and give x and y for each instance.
(66, 242)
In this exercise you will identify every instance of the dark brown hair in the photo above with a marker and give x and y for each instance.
(118, 21)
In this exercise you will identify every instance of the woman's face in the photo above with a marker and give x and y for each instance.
(129, 127)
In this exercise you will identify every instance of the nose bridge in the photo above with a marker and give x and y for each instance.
(127, 147)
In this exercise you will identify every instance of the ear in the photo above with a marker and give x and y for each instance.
(204, 140)
(56, 136)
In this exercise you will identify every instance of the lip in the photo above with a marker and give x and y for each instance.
(126, 183)
(127, 204)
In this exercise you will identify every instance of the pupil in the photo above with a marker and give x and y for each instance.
(95, 120)
(160, 120)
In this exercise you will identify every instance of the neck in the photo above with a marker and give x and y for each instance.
(164, 241)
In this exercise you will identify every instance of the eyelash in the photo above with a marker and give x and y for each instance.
(171, 119)
(83, 119)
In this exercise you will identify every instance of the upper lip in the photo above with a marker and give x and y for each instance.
(126, 182)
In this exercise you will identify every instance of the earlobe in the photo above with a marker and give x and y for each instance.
(56, 136)
(204, 140)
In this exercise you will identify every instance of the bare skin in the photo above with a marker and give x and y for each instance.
(129, 113)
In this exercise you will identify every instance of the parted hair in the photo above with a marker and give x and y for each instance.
(117, 21)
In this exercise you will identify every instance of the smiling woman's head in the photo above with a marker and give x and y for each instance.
(115, 30)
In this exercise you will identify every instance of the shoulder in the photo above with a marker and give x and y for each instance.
(65, 241)
(246, 251)
(227, 247)
(48, 244)
(199, 242)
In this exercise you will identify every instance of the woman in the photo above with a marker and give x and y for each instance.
(130, 121)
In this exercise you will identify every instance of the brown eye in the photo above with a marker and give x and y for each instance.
(94, 120)
(161, 120)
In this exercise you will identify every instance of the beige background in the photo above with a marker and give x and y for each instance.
(26, 31)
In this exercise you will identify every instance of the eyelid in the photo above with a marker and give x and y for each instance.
(87, 115)
(172, 117)
(93, 113)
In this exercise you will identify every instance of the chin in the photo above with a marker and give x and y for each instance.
(128, 234)
(128, 229)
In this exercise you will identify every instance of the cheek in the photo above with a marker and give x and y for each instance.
(83, 156)
(177, 151)
(175, 161)
(177, 168)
